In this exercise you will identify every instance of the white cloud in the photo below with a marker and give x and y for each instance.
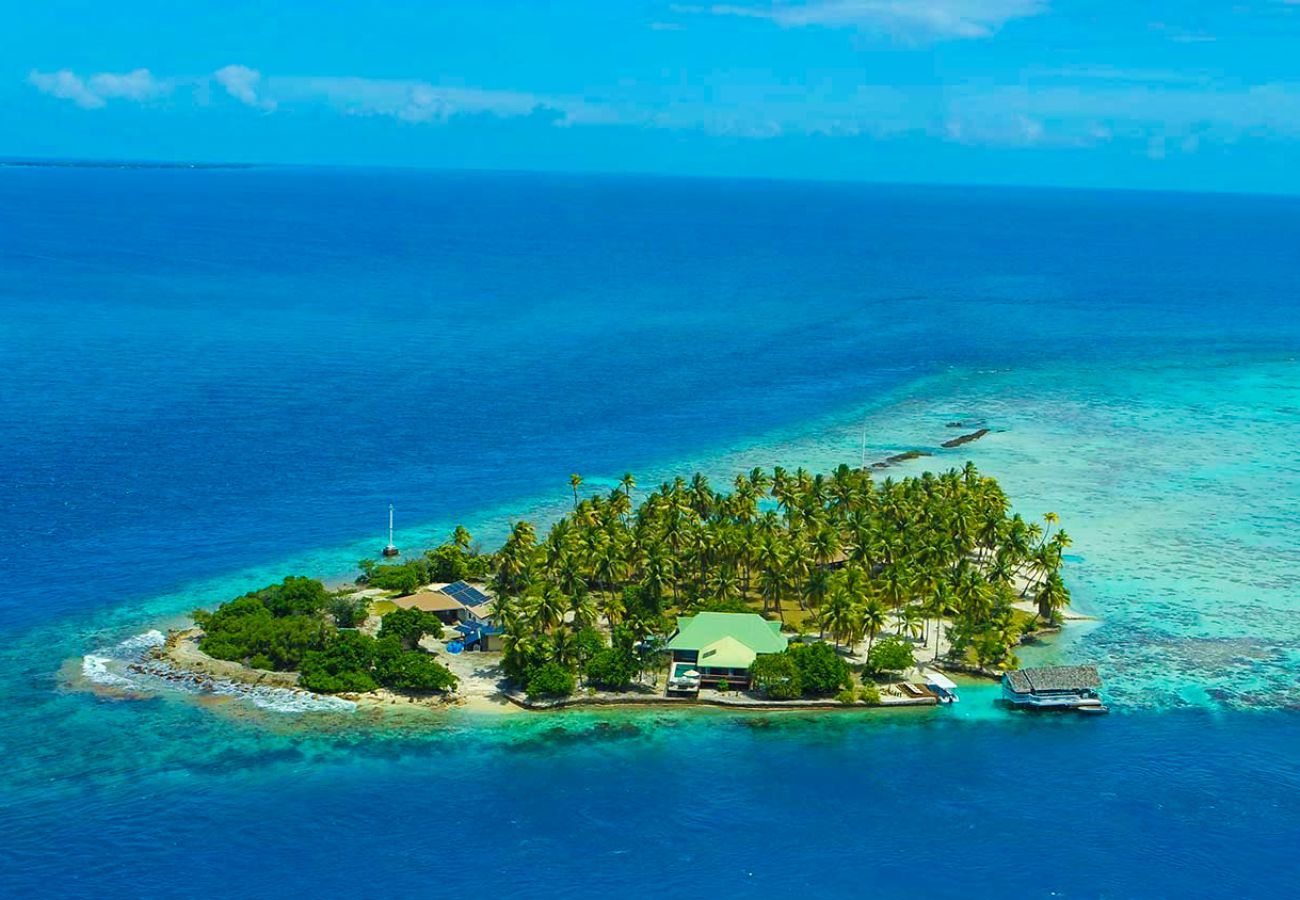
(95, 91)
(243, 84)
(138, 85)
(1072, 106)
(908, 19)
(411, 100)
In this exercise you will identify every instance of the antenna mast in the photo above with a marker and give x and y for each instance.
(391, 549)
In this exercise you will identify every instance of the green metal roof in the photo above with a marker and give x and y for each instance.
(753, 631)
(726, 653)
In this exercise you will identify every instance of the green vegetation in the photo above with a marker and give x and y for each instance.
(891, 654)
(409, 626)
(273, 628)
(349, 611)
(552, 679)
(777, 676)
(286, 627)
(821, 670)
(410, 670)
(614, 667)
(804, 670)
(455, 560)
(356, 663)
(853, 557)
(345, 665)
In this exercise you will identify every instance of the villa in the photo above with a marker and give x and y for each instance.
(710, 648)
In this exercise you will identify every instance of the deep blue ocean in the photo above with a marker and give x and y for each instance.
(212, 378)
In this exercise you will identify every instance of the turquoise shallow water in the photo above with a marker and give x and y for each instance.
(208, 382)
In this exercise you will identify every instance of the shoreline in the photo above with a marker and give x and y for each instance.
(180, 661)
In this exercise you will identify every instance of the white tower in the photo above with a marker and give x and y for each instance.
(391, 550)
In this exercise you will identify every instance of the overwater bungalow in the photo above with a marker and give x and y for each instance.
(1053, 687)
(710, 648)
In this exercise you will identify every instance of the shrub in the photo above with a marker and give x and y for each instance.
(869, 693)
(890, 654)
(589, 642)
(447, 563)
(724, 685)
(848, 695)
(821, 670)
(777, 676)
(550, 680)
(410, 670)
(404, 578)
(342, 667)
(295, 596)
(349, 612)
(733, 605)
(408, 626)
(612, 668)
(244, 629)
(478, 566)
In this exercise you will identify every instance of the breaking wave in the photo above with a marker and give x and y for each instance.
(131, 666)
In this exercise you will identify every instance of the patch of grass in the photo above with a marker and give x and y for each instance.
(382, 607)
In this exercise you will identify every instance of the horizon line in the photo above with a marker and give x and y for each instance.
(56, 162)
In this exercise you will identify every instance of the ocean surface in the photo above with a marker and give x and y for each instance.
(213, 378)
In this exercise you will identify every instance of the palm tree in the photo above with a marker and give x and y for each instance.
(574, 480)
(584, 609)
(1051, 519)
(874, 617)
(627, 482)
(911, 620)
(461, 537)
(612, 609)
(546, 608)
(772, 584)
(564, 646)
(723, 584)
(839, 615)
(1052, 597)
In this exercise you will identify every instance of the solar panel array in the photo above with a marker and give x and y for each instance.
(466, 594)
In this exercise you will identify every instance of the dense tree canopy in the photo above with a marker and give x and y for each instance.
(454, 560)
(550, 679)
(409, 626)
(821, 670)
(776, 675)
(891, 654)
(285, 627)
(857, 558)
(272, 628)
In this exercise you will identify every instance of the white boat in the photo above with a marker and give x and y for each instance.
(942, 687)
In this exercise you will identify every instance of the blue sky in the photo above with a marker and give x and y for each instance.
(1181, 95)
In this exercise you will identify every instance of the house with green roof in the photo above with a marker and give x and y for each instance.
(710, 647)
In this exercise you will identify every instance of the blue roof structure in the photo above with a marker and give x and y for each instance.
(466, 594)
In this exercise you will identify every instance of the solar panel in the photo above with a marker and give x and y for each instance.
(466, 594)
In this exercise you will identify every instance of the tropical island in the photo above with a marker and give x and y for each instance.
(789, 589)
